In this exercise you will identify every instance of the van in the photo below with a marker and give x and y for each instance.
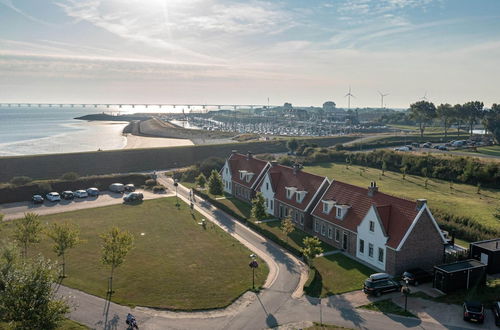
(117, 187)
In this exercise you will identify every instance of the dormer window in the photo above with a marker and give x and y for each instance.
(242, 174)
(327, 206)
(341, 211)
(290, 191)
(299, 197)
(248, 176)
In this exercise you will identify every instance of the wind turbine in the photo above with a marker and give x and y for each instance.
(348, 95)
(382, 99)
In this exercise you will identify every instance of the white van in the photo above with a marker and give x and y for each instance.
(117, 187)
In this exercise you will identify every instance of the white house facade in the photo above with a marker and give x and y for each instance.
(371, 240)
(267, 191)
(226, 178)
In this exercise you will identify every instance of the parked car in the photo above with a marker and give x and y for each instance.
(378, 287)
(93, 192)
(443, 148)
(405, 148)
(37, 199)
(473, 311)
(129, 187)
(496, 312)
(380, 276)
(53, 196)
(81, 193)
(117, 187)
(415, 276)
(133, 196)
(67, 194)
(427, 145)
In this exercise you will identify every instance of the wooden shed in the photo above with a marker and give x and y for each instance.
(488, 252)
(459, 275)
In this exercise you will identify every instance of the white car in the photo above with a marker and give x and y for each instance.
(53, 197)
(81, 194)
(405, 148)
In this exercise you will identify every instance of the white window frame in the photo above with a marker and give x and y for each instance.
(325, 208)
(339, 212)
(330, 232)
(372, 226)
(337, 235)
(380, 255)
(362, 246)
(323, 229)
(370, 250)
(316, 225)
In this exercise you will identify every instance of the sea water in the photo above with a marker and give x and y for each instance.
(43, 130)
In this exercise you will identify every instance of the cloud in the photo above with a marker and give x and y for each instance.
(9, 4)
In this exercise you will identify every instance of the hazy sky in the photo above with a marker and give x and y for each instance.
(216, 51)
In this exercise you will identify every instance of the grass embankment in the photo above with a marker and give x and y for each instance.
(387, 307)
(491, 150)
(462, 199)
(64, 325)
(176, 263)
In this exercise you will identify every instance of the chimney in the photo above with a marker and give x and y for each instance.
(249, 155)
(420, 203)
(372, 189)
(274, 163)
(296, 168)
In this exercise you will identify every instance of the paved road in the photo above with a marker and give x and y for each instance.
(17, 210)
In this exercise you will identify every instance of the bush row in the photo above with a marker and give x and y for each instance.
(464, 227)
(250, 224)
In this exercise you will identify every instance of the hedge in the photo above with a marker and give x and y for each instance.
(313, 285)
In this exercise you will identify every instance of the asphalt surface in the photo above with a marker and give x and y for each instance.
(18, 209)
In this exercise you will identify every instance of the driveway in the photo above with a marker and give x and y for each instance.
(18, 209)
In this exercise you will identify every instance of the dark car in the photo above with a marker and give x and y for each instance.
(376, 288)
(415, 276)
(496, 312)
(473, 311)
(37, 199)
(133, 196)
(129, 187)
(443, 148)
(68, 194)
(93, 192)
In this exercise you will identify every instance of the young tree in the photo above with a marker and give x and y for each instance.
(403, 170)
(384, 167)
(473, 111)
(201, 180)
(259, 207)
(28, 231)
(287, 227)
(215, 186)
(423, 113)
(445, 112)
(458, 117)
(292, 145)
(27, 294)
(492, 121)
(116, 244)
(312, 247)
(65, 237)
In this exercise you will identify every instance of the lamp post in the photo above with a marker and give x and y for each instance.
(406, 291)
(253, 264)
(176, 184)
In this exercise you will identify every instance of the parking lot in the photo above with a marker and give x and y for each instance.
(17, 210)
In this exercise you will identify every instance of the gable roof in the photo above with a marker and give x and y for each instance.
(396, 214)
(284, 176)
(238, 162)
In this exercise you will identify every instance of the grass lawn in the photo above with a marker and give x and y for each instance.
(491, 150)
(340, 274)
(461, 200)
(67, 324)
(319, 326)
(176, 263)
(387, 307)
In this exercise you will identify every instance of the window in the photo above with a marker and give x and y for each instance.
(361, 246)
(339, 212)
(316, 226)
(271, 203)
(323, 229)
(380, 255)
(226, 170)
(372, 226)
(325, 208)
(302, 218)
(267, 185)
(337, 234)
(330, 232)
(288, 194)
(370, 250)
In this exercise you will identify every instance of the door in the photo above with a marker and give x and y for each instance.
(484, 258)
(344, 242)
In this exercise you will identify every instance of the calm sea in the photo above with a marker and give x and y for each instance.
(27, 131)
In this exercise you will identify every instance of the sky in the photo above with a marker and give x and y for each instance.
(243, 52)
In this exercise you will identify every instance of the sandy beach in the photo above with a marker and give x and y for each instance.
(135, 142)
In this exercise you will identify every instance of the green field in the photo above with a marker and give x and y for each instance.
(176, 264)
(461, 200)
(491, 150)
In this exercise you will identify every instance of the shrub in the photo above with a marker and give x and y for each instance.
(208, 165)
(20, 180)
(158, 188)
(150, 182)
(44, 187)
(190, 174)
(70, 176)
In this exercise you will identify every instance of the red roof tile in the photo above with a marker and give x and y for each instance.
(251, 164)
(284, 176)
(396, 214)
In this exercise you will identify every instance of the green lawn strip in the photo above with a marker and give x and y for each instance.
(176, 264)
(491, 150)
(462, 243)
(340, 274)
(461, 200)
(387, 307)
(67, 324)
(320, 326)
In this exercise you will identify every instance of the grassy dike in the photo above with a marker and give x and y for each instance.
(135, 160)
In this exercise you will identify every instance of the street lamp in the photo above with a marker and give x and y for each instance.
(406, 291)
(176, 184)
(253, 264)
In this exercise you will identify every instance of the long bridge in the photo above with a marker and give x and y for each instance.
(134, 105)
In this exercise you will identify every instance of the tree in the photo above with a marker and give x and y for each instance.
(458, 117)
(312, 247)
(473, 111)
(445, 112)
(287, 227)
(20, 180)
(116, 244)
(423, 113)
(201, 180)
(329, 106)
(384, 167)
(28, 231)
(492, 121)
(215, 186)
(27, 295)
(259, 207)
(65, 237)
(292, 145)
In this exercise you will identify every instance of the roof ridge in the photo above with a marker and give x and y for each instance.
(378, 192)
